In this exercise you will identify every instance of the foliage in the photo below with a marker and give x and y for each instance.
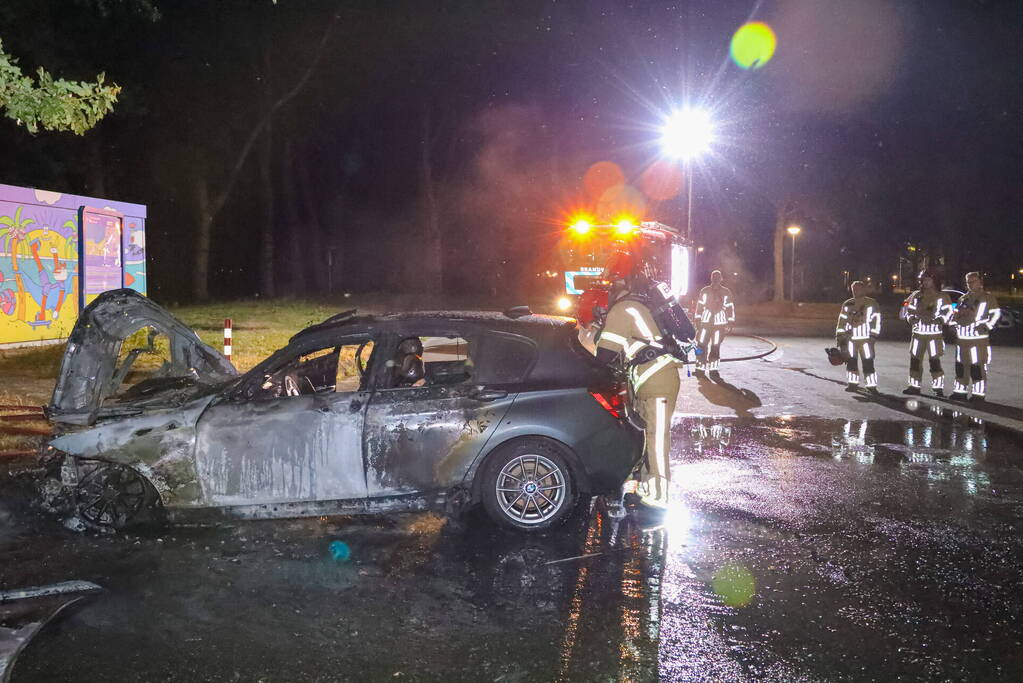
(53, 104)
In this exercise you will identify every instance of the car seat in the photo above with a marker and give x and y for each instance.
(408, 362)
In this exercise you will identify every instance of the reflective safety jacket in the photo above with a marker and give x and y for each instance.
(629, 329)
(860, 318)
(975, 315)
(715, 306)
(927, 311)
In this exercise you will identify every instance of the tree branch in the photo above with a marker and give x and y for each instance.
(224, 194)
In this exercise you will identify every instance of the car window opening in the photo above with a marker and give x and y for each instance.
(422, 361)
(144, 355)
(335, 369)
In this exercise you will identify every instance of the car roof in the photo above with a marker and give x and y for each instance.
(350, 323)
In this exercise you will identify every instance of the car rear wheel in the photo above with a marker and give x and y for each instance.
(528, 485)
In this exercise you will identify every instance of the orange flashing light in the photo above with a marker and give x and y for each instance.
(624, 227)
(581, 226)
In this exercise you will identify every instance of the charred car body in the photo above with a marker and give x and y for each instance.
(356, 414)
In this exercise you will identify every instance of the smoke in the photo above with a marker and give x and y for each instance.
(504, 205)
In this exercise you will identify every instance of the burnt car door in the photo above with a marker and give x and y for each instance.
(423, 435)
(292, 431)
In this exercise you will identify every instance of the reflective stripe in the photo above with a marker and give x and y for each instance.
(644, 329)
(652, 370)
(662, 433)
(613, 338)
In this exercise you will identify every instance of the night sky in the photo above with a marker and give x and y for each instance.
(877, 124)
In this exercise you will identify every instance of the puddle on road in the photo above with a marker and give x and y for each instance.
(795, 549)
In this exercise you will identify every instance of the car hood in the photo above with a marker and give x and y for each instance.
(87, 371)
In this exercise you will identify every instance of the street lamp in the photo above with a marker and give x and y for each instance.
(685, 135)
(793, 230)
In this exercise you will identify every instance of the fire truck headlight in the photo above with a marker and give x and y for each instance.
(625, 227)
(564, 303)
(581, 227)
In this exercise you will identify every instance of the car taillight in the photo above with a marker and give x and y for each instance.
(611, 399)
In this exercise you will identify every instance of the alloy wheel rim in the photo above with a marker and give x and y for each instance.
(530, 489)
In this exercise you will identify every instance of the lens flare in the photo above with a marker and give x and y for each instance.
(339, 551)
(661, 181)
(621, 200)
(753, 45)
(601, 176)
(564, 303)
(734, 584)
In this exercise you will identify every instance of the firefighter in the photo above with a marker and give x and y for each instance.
(715, 312)
(859, 324)
(927, 310)
(651, 353)
(974, 317)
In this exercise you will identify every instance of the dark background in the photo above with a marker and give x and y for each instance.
(460, 131)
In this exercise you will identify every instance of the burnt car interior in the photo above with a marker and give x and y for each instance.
(144, 363)
(334, 369)
(430, 361)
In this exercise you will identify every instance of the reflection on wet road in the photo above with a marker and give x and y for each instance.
(795, 549)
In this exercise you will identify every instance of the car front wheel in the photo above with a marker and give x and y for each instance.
(528, 485)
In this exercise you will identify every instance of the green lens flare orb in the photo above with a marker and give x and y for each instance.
(753, 45)
(734, 584)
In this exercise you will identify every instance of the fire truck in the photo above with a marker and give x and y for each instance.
(586, 250)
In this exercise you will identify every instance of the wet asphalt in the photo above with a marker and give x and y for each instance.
(796, 549)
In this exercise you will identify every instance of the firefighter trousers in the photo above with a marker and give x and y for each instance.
(863, 349)
(708, 339)
(972, 359)
(655, 396)
(922, 345)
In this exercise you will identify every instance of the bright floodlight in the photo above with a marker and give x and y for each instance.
(687, 133)
(793, 230)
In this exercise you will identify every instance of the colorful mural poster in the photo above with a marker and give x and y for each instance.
(134, 251)
(38, 271)
(40, 250)
(101, 253)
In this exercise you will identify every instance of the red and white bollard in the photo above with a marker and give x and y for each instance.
(227, 338)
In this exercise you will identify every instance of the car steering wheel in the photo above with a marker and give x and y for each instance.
(359, 364)
(291, 386)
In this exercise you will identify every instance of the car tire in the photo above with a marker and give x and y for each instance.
(528, 485)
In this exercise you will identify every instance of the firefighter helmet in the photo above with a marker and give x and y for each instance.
(621, 265)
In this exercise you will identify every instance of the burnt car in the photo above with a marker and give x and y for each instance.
(412, 411)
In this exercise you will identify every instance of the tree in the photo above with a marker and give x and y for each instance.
(210, 204)
(53, 104)
(784, 216)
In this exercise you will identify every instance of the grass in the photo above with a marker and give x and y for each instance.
(260, 328)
